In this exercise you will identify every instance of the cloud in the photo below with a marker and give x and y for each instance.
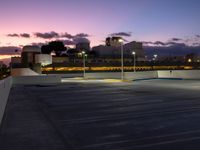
(147, 43)
(13, 35)
(25, 35)
(196, 44)
(51, 35)
(172, 49)
(126, 34)
(47, 35)
(159, 43)
(68, 42)
(81, 35)
(174, 44)
(176, 39)
(198, 36)
(80, 40)
(9, 50)
(38, 44)
(67, 35)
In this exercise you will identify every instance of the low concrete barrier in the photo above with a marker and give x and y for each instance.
(40, 79)
(69, 75)
(23, 72)
(141, 75)
(5, 86)
(103, 75)
(183, 74)
(127, 75)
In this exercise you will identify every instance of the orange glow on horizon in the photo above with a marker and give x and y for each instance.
(8, 56)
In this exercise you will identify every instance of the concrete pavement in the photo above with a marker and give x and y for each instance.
(151, 114)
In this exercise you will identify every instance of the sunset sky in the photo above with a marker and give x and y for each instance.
(28, 21)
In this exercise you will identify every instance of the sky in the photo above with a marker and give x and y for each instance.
(25, 22)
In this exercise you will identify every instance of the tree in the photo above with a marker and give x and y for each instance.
(46, 49)
(56, 46)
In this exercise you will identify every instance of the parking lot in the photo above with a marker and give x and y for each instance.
(103, 115)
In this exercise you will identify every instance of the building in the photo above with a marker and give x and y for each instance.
(31, 58)
(83, 47)
(112, 49)
(82, 44)
(1, 64)
(113, 41)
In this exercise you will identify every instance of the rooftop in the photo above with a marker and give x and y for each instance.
(152, 114)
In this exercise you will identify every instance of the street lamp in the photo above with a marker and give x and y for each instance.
(155, 56)
(134, 60)
(83, 54)
(122, 59)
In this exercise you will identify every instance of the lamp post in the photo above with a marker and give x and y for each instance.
(134, 60)
(83, 54)
(155, 56)
(122, 59)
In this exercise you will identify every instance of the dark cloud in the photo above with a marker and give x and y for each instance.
(81, 35)
(68, 42)
(51, 35)
(174, 44)
(47, 35)
(25, 35)
(164, 44)
(196, 44)
(198, 36)
(13, 35)
(67, 35)
(147, 43)
(176, 39)
(127, 34)
(40, 44)
(81, 40)
(172, 49)
(159, 43)
(9, 50)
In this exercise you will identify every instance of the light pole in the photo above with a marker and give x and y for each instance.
(83, 54)
(134, 60)
(122, 59)
(155, 56)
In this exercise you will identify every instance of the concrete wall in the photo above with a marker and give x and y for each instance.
(43, 59)
(104, 75)
(69, 75)
(184, 74)
(140, 75)
(5, 86)
(40, 79)
(127, 75)
(23, 72)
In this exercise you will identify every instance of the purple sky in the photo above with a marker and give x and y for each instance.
(146, 20)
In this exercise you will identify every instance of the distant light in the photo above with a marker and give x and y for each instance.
(120, 40)
(189, 60)
(155, 56)
(198, 60)
(53, 53)
(83, 52)
(133, 53)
